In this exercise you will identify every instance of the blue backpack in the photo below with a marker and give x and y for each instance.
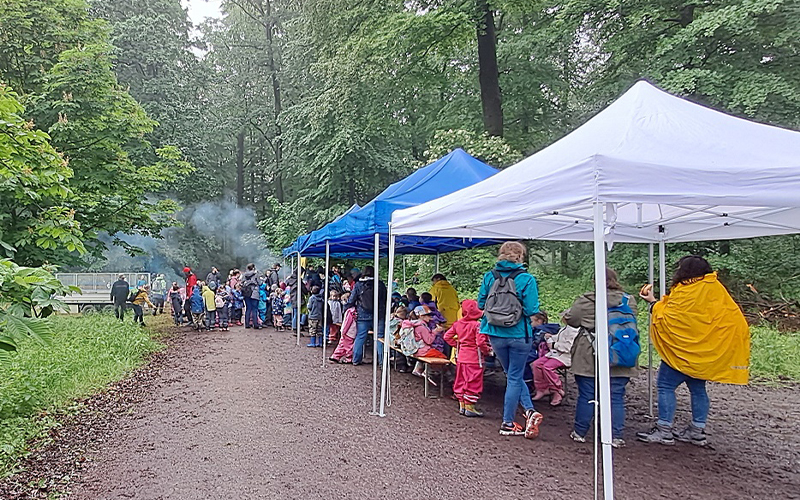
(623, 335)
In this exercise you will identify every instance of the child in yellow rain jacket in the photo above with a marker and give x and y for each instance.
(209, 299)
(138, 299)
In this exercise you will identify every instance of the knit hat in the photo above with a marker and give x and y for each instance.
(422, 311)
(187, 269)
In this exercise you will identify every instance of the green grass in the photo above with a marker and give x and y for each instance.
(774, 355)
(86, 354)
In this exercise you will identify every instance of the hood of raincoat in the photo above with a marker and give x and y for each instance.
(470, 311)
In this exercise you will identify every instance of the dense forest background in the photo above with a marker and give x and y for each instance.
(137, 133)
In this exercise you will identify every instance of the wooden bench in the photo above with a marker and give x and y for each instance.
(427, 362)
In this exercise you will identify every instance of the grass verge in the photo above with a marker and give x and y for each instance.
(86, 354)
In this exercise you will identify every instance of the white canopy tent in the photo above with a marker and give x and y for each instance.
(650, 168)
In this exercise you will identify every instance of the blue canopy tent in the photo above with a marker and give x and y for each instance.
(301, 240)
(364, 233)
(353, 235)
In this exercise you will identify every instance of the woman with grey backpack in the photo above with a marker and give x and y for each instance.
(508, 297)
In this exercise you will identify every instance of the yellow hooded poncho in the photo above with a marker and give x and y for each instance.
(700, 331)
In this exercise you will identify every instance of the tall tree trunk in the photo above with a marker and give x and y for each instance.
(240, 168)
(276, 97)
(488, 74)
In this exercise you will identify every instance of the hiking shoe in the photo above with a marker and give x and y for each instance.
(618, 443)
(511, 429)
(691, 434)
(658, 434)
(577, 437)
(532, 420)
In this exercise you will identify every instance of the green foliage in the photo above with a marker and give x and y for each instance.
(27, 297)
(86, 353)
(491, 150)
(34, 218)
(60, 60)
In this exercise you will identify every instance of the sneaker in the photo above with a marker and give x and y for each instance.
(577, 437)
(658, 434)
(691, 434)
(532, 420)
(512, 429)
(618, 443)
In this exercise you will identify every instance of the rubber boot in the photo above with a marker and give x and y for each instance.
(471, 411)
(320, 340)
(312, 341)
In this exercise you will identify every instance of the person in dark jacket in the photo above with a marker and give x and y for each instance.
(176, 301)
(250, 291)
(273, 275)
(366, 286)
(119, 296)
(213, 279)
(316, 309)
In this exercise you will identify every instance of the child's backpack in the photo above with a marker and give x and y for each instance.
(133, 295)
(407, 343)
(219, 302)
(623, 335)
(503, 307)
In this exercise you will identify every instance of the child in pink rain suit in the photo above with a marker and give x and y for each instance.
(472, 346)
(344, 351)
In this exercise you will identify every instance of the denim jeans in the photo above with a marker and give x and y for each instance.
(513, 354)
(584, 408)
(362, 330)
(211, 319)
(668, 380)
(251, 313)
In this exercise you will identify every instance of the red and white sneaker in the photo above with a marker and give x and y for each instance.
(532, 420)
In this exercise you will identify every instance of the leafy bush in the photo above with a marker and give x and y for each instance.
(86, 354)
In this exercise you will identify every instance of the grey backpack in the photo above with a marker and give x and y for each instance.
(503, 307)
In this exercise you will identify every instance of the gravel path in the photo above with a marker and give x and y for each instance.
(248, 415)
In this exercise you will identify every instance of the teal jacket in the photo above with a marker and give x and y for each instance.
(528, 293)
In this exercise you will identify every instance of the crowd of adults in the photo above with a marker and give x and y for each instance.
(697, 329)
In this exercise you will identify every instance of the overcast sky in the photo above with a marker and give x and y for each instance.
(199, 10)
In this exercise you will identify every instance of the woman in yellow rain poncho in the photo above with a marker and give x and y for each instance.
(700, 334)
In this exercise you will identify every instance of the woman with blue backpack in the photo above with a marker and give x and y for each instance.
(624, 349)
(509, 297)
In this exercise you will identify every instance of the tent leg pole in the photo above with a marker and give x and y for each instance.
(603, 372)
(405, 283)
(327, 292)
(436, 265)
(650, 277)
(375, 319)
(387, 337)
(299, 286)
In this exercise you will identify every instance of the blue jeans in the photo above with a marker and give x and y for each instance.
(668, 380)
(584, 408)
(512, 354)
(362, 330)
(251, 313)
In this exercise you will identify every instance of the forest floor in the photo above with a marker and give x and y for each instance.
(246, 414)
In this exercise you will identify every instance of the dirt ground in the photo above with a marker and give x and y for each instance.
(248, 415)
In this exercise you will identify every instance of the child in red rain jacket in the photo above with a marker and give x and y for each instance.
(471, 347)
